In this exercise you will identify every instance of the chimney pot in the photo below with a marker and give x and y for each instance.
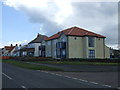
(11, 45)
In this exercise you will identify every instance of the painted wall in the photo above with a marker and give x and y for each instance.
(85, 46)
(107, 52)
(100, 48)
(36, 53)
(11, 53)
(48, 49)
(53, 47)
(6, 52)
(75, 46)
(79, 48)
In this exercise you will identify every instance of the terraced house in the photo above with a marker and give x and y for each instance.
(32, 48)
(7, 50)
(76, 42)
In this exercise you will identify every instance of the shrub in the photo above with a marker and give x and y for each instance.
(113, 60)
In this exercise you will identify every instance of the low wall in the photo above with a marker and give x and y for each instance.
(5, 57)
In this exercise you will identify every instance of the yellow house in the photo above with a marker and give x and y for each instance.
(76, 42)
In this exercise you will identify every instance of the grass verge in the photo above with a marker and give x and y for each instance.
(78, 63)
(31, 66)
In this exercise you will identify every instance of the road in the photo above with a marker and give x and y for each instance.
(15, 77)
(82, 68)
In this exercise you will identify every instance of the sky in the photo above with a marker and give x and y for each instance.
(22, 20)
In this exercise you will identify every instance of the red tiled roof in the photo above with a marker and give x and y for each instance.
(75, 31)
(9, 48)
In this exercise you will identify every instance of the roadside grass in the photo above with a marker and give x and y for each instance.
(78, 63)
(31, 66)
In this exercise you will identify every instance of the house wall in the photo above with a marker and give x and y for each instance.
(85, 46)
(53, 47)
(36, 53)
(100, 50)
(107, 52)
(48, 49)
(79, 48)
(43, 43)
(6, 52)
(75, 47)
(12, 52)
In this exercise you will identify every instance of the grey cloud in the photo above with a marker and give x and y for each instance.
(90, 9)
(97, 17)
(111, 31)
(36, 16)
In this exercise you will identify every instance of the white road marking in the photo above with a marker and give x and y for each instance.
(118, 87)
(44, 71)
(52, 73)
(74, 78)
(24, 87)
(67, 76)
(38, 70)
(79, 79)
(83, 80)
(107, 85)
(7, 76)
(58, 74)
(94, 82)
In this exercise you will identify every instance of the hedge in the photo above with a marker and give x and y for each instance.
(113, 60)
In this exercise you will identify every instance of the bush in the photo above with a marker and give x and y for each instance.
(113, 60)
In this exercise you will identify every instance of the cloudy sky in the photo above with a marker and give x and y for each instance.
(23, 19)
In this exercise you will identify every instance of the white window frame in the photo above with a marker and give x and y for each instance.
(91, 53)
(90, 37)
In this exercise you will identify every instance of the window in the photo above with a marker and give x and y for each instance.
(48, 53)
(58, 45)
(49, 42)
(55, 41)
(55, 52)
(91, 53)
(91, 41)
(63, 52)
(63, 39)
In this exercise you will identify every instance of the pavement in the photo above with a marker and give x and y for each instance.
(16, 77)
(82, 68)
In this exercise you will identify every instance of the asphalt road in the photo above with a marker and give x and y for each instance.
(83, 68)
(15, 77)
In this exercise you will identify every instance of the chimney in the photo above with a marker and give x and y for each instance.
(11, 45)
(38, 35)
(16, 45)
